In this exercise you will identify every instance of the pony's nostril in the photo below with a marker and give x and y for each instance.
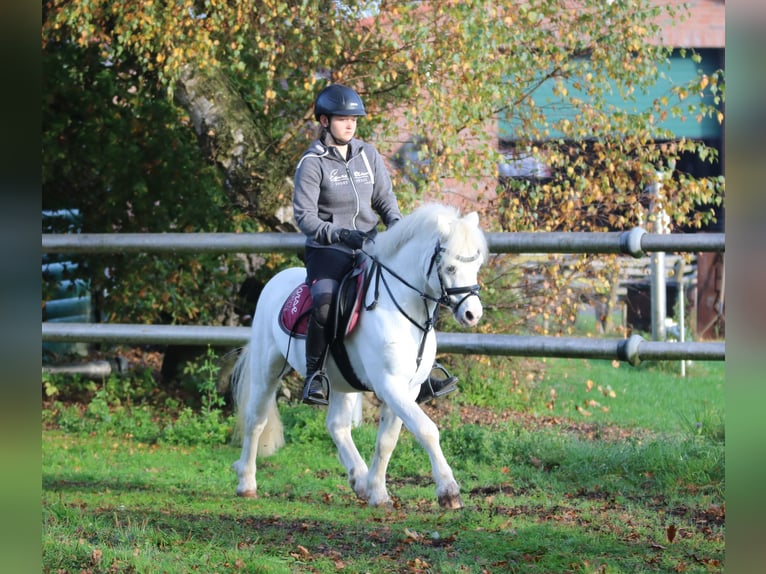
(469, 316)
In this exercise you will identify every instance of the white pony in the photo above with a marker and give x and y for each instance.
(430, 257)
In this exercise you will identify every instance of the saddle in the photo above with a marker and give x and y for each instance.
(294, 315)
(344, 316)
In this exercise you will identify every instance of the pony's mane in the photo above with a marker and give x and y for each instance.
(423, 225)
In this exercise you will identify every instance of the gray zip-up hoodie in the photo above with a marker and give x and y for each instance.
(331, 194)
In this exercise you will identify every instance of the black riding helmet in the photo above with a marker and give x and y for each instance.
(338, 100)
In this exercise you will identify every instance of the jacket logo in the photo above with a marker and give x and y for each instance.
(338, 177)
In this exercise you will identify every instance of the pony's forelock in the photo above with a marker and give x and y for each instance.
(466, 240)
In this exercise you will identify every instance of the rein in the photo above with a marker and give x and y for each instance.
(376, 270)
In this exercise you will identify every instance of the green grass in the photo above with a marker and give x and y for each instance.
(635, 487)
(652, 395)
(115, 505)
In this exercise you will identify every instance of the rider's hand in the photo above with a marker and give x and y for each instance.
(352, 237)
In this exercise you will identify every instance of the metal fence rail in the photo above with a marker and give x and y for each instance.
(635, 243)
(632, 350)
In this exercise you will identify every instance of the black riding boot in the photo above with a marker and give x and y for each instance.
(316, 388)
(437, 386)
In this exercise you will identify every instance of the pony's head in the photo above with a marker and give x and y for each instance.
(450, 249)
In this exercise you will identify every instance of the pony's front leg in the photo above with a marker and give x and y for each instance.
(427, 434)
(340, 419)
(388, 435)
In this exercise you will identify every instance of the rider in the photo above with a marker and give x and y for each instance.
(341, 189)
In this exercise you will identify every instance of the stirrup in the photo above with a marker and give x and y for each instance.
(434, 387)
(316, 389)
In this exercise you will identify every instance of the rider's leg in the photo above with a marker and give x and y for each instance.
(316, 387)
(437, 386)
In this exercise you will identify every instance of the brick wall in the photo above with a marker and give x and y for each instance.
(704, 28)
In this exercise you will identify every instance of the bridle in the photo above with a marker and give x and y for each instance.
(447, 293)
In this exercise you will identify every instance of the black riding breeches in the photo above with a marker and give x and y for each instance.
(325, 267)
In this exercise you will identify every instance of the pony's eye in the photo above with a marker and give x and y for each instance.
(450, 270)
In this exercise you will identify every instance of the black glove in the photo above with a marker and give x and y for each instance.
(352, 237)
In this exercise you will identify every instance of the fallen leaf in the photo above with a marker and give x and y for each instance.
(411, 534)
(96, 556)
(671, 533)
(582, 411)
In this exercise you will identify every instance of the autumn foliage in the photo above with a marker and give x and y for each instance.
(190, 116)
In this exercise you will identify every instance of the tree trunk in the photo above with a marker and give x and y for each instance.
(228, 135)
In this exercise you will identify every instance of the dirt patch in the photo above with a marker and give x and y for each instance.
(484, 416)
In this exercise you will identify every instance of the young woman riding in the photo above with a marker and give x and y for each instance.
(342, 189)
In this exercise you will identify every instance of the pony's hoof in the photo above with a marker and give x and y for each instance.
(247, 494)
(451, 501)
(387, 505)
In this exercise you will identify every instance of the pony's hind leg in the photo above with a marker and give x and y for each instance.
(255, 424)
(341, 417)
(258, 417)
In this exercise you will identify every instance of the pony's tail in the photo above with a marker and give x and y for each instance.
(272, 438)
(240, 391)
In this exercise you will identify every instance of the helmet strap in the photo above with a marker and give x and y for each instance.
(326, 130)
(337, 141)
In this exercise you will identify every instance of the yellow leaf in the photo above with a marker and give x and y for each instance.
(582, 411)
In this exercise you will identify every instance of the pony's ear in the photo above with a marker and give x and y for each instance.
(472, 218)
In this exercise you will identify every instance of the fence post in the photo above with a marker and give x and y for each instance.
(659, 222)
